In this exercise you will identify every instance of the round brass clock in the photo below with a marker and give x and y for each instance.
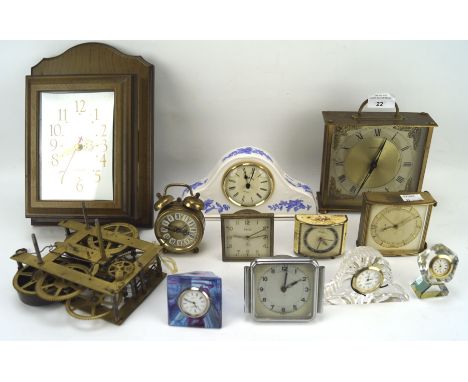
(372, 152)
(180, 225)
(248, 184)
(367, 280)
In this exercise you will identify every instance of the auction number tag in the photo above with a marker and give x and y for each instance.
(381, 101)
(411, 197)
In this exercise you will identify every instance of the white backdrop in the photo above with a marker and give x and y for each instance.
(214, 96)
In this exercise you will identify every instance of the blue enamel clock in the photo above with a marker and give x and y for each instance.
(194, 300)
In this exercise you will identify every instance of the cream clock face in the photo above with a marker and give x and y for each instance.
(320, 240)
(396, 227)
(367, 280)
(378, 159)
(76, 146)
(440, 267)
(248, 184)
(283, 290)
(247, 238)
(194, 302)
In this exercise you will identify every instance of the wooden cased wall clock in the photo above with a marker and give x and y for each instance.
(89, 137)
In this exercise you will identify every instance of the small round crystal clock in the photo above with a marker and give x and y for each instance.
(180, 225)
(437, 265)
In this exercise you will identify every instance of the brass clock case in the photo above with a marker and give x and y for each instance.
(253, 164)
(371, 152)
(395, 223)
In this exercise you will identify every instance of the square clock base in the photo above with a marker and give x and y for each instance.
(194, 300)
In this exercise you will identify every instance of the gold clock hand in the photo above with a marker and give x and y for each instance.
(77, 146)
(373, 166)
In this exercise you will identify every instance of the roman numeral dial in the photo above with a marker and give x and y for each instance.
(248, 184)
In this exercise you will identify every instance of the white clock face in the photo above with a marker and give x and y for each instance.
(367, 280)
(76, 146)
(247, 237)
(194, 302)
(248, 184)
(284, 290)
(440, 267)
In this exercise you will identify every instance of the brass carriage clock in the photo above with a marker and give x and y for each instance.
(180, 225)
(372, 151)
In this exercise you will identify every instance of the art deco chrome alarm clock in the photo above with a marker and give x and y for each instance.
(283, 288)
(320, 236)
(249, 177)
(372, 152)
(195, 300)
(395, 223)
(180, 224)
(246, 235)
(437, 265)
(363, 277)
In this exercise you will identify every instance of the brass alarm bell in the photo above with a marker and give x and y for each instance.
(180, 225)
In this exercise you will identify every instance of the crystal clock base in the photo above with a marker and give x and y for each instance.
(423, 289)
(364, 277)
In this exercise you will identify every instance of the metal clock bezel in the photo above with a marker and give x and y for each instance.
(356, 275)
(194, 289)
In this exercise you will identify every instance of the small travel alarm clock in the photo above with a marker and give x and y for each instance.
(180, 225)
(320, 236)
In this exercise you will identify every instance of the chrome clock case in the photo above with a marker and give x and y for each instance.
(315, 276)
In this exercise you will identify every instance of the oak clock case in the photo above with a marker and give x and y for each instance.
(395, 223)
(320, 236)
(246, 235)
(372, 152)
(180, 224)
(283, 288)
(87, 139)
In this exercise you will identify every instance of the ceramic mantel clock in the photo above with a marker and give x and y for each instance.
(89, 137)
(372, 152)
(249, 177)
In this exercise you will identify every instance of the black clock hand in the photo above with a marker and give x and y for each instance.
(251, 176)
(283, 288)
(373, 166)
(292, 283)
(249, 236)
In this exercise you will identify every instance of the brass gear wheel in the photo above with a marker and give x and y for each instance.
(109, 247)
(90, 305)
(53, 288)
(120, 269)
(25, 280)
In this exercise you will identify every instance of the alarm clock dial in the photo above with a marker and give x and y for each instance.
(440, 267)
(284, 291)
(248, 184)
(367, 280)
(320, 240)
(194, 302)
(383, 158)
(398, 227)
(178, 230)
(76, 146)
(247, 238)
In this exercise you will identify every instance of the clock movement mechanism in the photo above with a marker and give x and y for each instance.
(97, 271)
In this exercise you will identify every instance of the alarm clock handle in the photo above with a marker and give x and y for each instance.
(178, 185)
(359, 113)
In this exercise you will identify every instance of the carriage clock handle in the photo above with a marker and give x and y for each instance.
(359, 113)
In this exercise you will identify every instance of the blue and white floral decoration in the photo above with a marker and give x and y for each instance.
(248, 150)
(196, 185)
(298, 184)
(211, 205)
(288, 205)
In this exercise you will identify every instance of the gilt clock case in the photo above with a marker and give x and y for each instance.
(126, 165)
(407, 137)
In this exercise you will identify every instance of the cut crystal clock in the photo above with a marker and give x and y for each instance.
(195, 300)
(372, 152)
(249, 177)
(283, 288)
(363, 277)
(437, 265)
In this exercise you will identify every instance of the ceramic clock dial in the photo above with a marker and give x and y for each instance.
(76, 145)
(248, 184)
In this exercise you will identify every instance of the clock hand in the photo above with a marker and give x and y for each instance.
(283, 288)
(251, 176)
(249, 236)
(373, 166)
(403, 222)
(319, 242)
(292, 283)
(256, 237)
(77, 146)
